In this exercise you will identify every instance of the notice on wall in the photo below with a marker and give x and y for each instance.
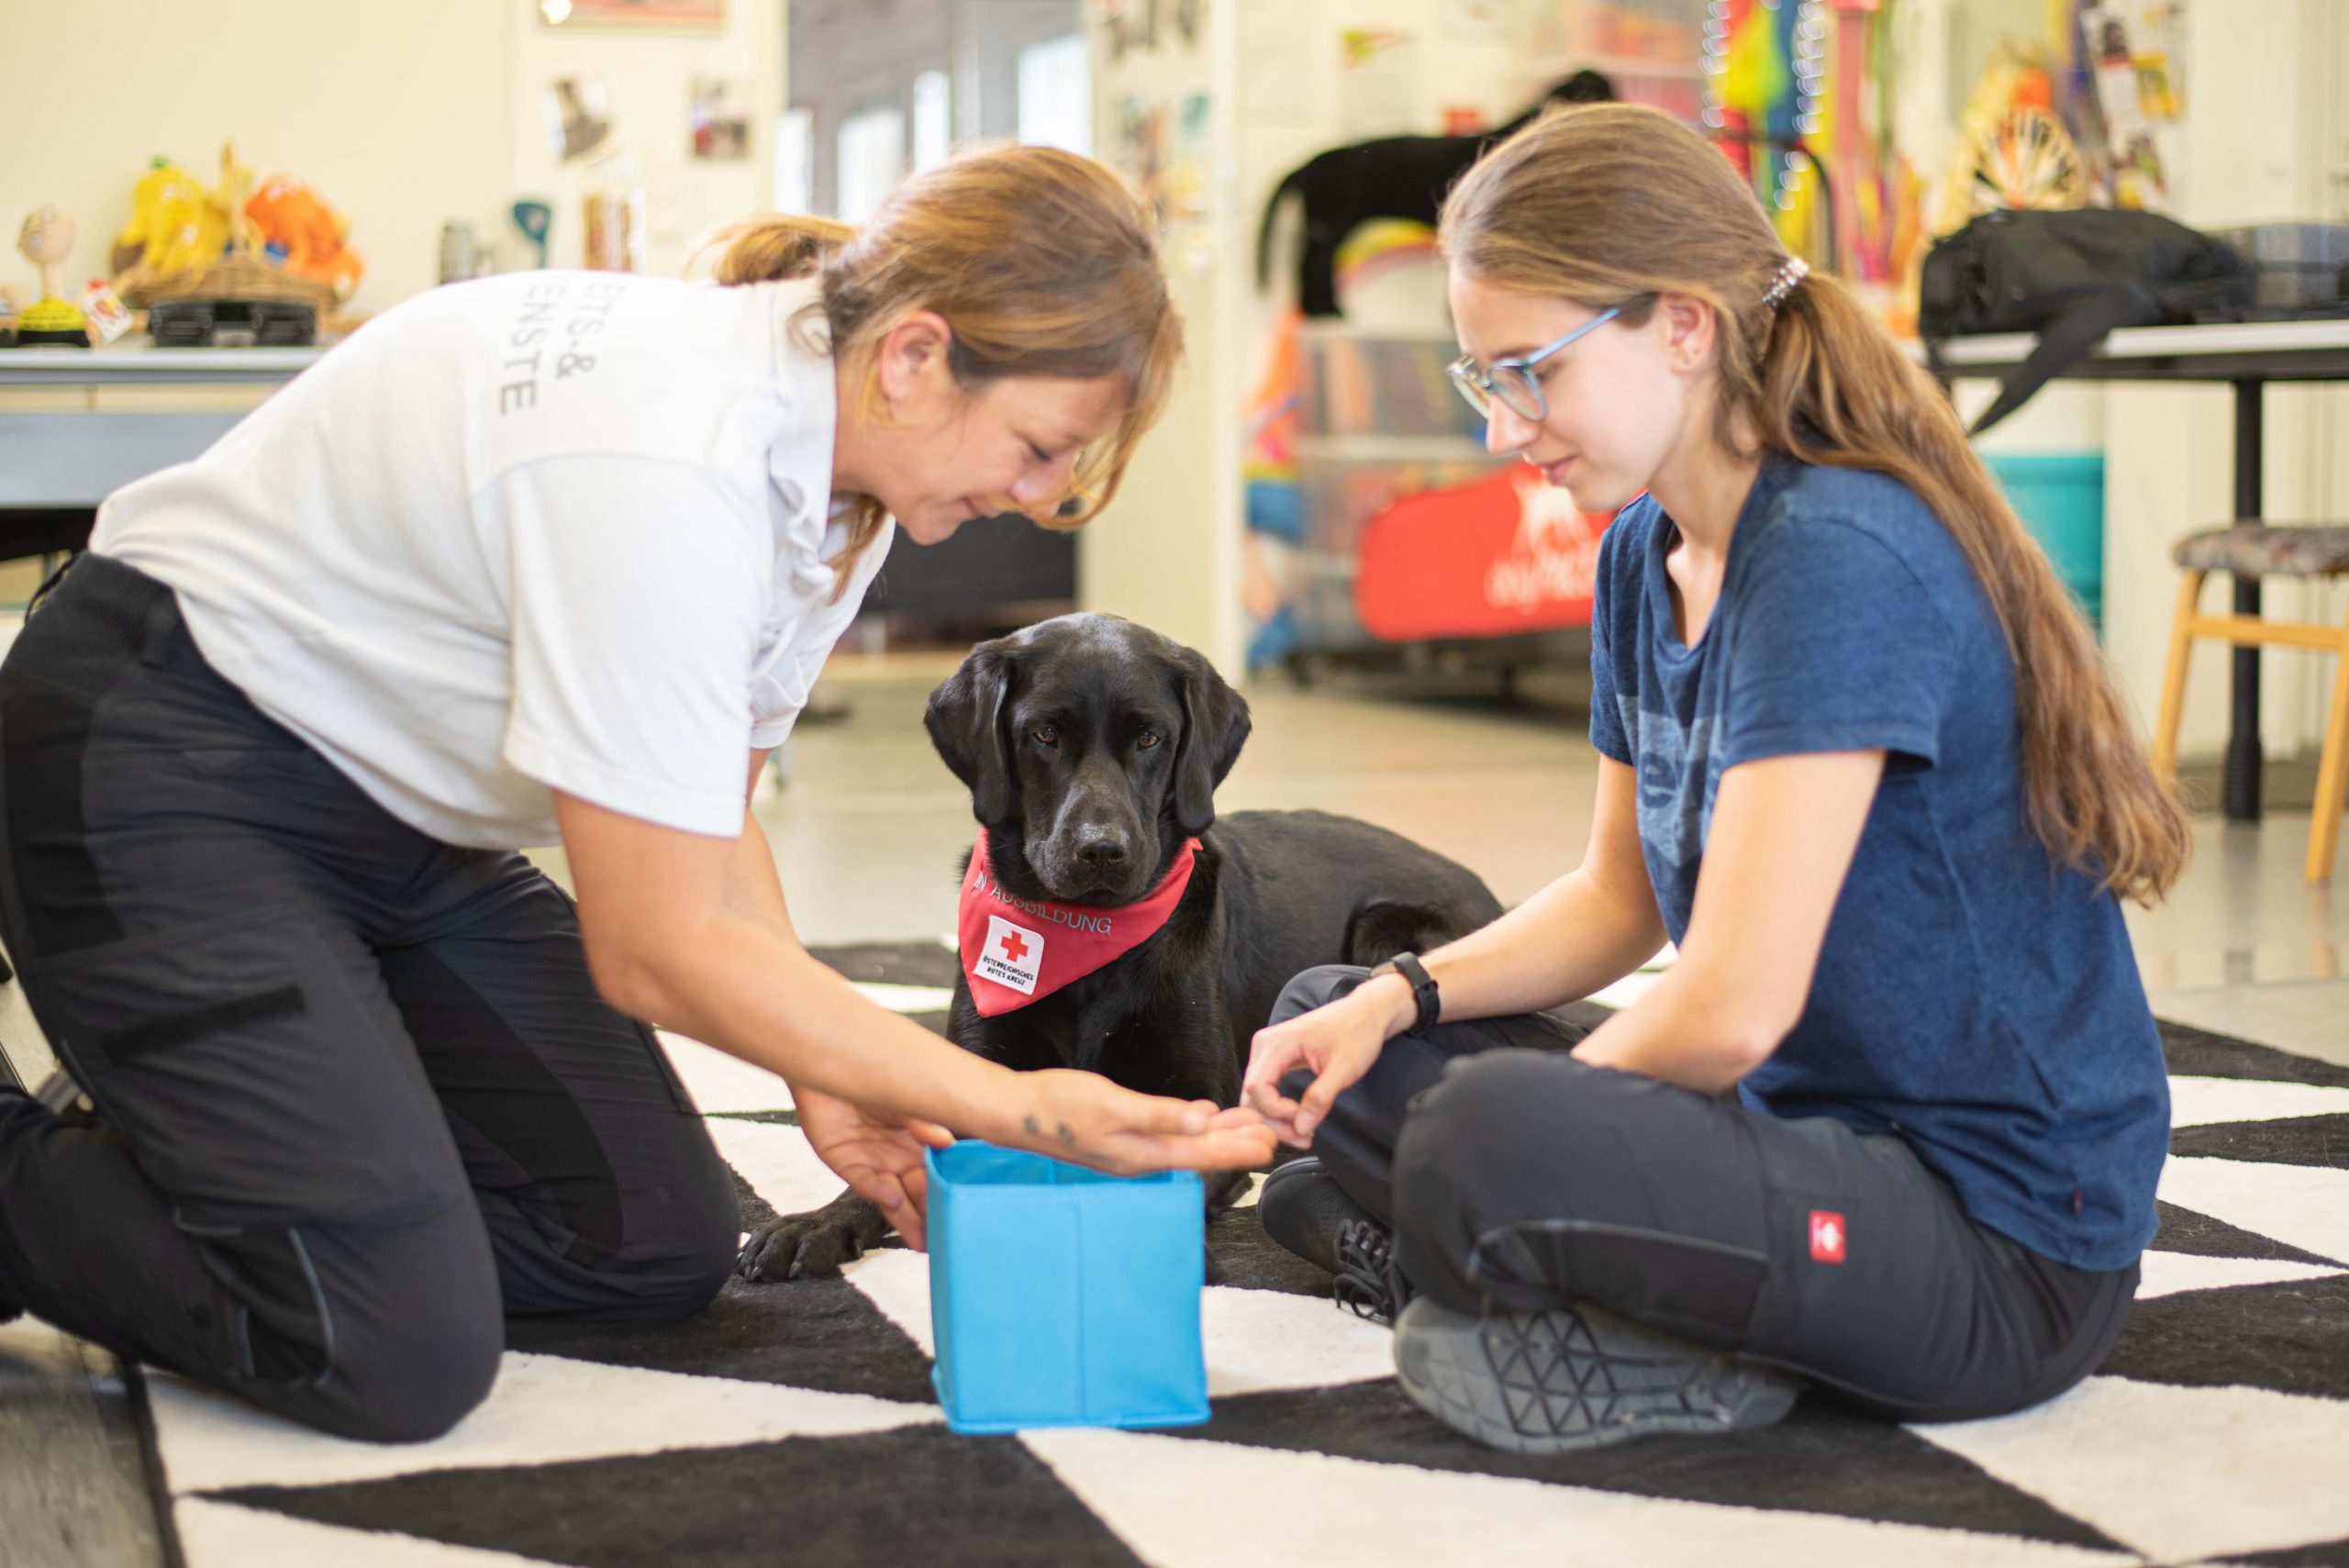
(2137, 179)
(577, 113)
(717, 120)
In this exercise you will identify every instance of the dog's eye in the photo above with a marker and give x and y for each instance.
(1146, 739)
(1048, 734)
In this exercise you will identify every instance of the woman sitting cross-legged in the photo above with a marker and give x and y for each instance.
(1860, 762)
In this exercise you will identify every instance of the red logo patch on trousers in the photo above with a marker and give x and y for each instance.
(1827, 1235)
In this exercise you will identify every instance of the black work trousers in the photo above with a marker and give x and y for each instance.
(357, 1097)
(1515, 1176)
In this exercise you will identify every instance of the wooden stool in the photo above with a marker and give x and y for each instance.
(2260, 550)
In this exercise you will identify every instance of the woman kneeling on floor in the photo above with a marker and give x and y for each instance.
(552, 556)
(1860, 760)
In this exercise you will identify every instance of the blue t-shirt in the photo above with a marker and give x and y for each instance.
(1973, 996)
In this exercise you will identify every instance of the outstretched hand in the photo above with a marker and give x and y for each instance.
(1085, 1117)
(879, 1157)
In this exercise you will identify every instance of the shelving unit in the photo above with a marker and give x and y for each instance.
(1417, 543)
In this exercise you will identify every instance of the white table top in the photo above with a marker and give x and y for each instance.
(2159, 342)
(2006, 347)
(144, 363)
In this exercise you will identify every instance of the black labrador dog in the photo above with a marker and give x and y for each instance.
(1092, 748)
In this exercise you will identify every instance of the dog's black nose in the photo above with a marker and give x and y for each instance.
(1103, 849)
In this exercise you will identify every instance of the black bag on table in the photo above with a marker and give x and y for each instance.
(2071, 277)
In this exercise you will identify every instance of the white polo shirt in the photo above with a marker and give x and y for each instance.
(548, 530)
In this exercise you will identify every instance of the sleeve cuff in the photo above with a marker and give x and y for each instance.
(1859, 735)
(655, 801)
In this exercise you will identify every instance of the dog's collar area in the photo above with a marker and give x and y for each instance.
(1023, 869)
(1017, 950)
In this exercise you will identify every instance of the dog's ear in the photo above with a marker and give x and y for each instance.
(1215, 725)
(965, 718)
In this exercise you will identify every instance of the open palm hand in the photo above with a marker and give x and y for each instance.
(879, 1157)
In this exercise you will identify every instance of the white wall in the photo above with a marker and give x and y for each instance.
(395, 112)
(1167, 553)
(402, 116)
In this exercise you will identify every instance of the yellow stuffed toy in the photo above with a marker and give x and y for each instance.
(176, 226)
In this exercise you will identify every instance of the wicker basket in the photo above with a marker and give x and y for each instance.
(232, 277)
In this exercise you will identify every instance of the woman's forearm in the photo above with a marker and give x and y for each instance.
(1573, 938)
(752, 991)
(1688, 1029)
(692, 932)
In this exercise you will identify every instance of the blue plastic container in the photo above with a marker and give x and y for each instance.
(2060, 497)
(1063, 1298)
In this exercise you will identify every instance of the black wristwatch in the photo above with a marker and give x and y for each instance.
(1408, 966)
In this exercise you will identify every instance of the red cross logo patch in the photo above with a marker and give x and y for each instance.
(1014, 955)
(1827, 1235)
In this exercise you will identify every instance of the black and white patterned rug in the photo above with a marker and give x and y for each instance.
(795, 1423)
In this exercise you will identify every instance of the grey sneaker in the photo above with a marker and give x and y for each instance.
(1575, 1378)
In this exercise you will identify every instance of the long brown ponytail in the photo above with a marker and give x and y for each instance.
(1042, 262)
(1615, 204)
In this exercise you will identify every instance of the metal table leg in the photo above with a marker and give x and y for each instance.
(2243, 767)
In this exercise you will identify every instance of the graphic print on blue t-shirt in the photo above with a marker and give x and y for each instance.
(1970, 997)
(1673, 819)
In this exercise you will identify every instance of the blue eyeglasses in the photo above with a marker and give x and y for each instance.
(1514, 381)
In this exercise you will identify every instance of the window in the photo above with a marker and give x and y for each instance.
(872, 160)
(795, 162)
(933, 121)
(1056, 93)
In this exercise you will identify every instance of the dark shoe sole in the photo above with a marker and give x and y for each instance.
(1576, 1378)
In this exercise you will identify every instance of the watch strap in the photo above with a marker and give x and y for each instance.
(1422, 984)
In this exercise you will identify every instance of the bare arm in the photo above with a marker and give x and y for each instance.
(1783, 835)
(1584, 931)
(753, 885)
(693, 932)
(1580, 934)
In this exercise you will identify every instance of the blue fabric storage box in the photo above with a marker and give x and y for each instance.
(1063, 1298)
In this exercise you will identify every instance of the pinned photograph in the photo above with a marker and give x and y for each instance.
(578, 115)
(720, 119)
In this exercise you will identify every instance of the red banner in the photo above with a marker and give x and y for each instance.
(1509, 554)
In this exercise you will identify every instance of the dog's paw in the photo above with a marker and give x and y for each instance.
(798, 1246)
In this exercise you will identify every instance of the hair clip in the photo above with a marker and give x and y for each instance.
(1782, 282)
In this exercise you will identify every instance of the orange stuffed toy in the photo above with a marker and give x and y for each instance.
(289, 213)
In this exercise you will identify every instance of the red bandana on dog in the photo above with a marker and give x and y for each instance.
(1015, 952)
